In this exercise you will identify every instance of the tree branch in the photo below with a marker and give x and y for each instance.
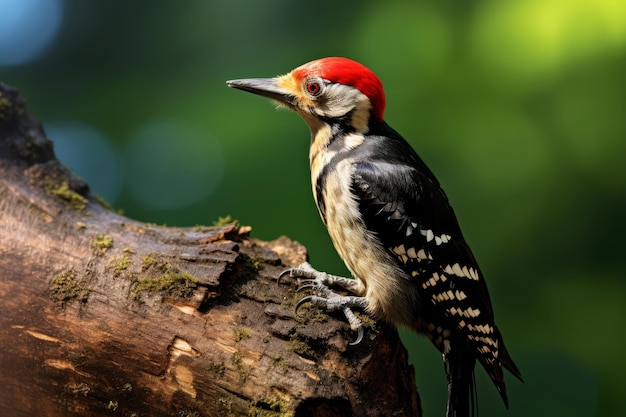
(104, 315)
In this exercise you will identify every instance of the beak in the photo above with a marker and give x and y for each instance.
(266, 87)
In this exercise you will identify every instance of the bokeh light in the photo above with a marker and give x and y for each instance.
(172, 165)
(533, 39)
(91, 155)
(27, 27)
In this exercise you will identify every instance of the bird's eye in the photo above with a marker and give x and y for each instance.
(314, 87)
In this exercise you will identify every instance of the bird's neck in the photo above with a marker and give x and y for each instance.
(330, 136)
(329, 140)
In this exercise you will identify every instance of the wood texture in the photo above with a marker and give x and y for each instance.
(102, 315)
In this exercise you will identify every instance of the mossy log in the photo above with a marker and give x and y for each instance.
(102, 315)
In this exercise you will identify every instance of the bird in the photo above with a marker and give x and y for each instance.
(391, 223)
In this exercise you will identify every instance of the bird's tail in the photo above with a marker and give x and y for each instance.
(462, 400)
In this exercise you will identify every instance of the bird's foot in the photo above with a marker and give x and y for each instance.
(319, 282)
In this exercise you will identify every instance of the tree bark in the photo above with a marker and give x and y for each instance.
(102, 315)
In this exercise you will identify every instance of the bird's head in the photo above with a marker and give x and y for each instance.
(324, 91)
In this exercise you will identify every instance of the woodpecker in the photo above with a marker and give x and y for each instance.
(391, 223)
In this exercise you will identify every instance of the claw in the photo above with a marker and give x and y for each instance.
(302, 271)
(318, 282)
(285, 272)
(355, 324)
(296, 272)
(305, 286)
(307, 299)
(359, 337)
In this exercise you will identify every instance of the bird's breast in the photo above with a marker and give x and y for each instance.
(360, 249)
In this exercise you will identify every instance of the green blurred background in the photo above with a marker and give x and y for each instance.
(518, 106)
